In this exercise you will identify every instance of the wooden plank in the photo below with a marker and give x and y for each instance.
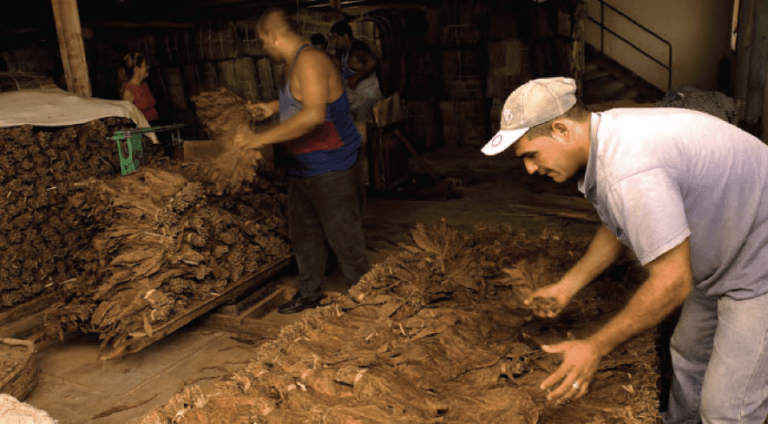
(265, 306)
(33, 306)
(241, 305)
(534, 212)
(198, 309)
(235, 325)
(23, 326)
(758, 62)
(545, 204)
(21, 374)
(417, 156)
(67, 17)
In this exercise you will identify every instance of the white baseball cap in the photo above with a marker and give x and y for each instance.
(533, 103)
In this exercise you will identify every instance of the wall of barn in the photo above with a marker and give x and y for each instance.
(452, 66)
(765, 112)
(699, 31)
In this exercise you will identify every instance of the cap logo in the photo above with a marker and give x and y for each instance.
(507, 115)
(496, 140)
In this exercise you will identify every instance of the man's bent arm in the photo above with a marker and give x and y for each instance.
(369, 64)
(666, 288)
(313, 75)
(603, 251)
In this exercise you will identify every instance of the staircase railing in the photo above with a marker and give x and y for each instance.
(604, 28)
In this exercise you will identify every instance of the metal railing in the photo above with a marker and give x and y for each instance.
(603, 29)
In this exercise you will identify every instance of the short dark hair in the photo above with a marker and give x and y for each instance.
(318, 39)
(577, 113)
(342, 28)
(131, 61)
(276, 19)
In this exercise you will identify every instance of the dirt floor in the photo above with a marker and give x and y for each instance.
(75, 387)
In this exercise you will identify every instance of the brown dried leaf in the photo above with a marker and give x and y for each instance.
(422, 239)
(147, 325)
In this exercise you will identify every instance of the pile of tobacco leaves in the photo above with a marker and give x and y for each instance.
(39, 170)
(438, 333)
(160, 242)
(122, 255)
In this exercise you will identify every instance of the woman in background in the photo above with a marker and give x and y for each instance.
(134, 87)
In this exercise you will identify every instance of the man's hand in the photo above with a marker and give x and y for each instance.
(246, 140)
(549, 301)
(259, 111)
(581, 359)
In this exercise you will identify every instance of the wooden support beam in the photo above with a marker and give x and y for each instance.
(67, 17)
(417, 156)
(752, 61)
(336, 4)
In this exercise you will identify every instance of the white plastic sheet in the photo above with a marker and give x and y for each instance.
(59, 108)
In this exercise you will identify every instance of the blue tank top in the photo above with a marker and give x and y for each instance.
(346, 71)
(331, 147)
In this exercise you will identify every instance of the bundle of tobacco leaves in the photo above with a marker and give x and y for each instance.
(221, 112)
(224, 114)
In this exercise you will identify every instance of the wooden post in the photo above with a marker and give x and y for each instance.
(67, 17)
(751, 62)
(336, 4)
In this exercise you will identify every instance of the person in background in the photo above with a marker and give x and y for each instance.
(358, 69)
(134, 88)
(319, 41)
(325, 189)
(688, 193)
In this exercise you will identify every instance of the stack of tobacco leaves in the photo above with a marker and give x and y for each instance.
(438, 332)
(127, 252)
(161, 242)
(38, 171)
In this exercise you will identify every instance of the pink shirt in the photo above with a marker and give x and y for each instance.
(143, 99)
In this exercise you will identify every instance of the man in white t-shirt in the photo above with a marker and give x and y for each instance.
(688, 193)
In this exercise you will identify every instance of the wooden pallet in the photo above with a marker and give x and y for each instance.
(244, 317)
(18, 369)
(200, 308)
(25, 321)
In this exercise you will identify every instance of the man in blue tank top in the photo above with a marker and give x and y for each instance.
(325, 189)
